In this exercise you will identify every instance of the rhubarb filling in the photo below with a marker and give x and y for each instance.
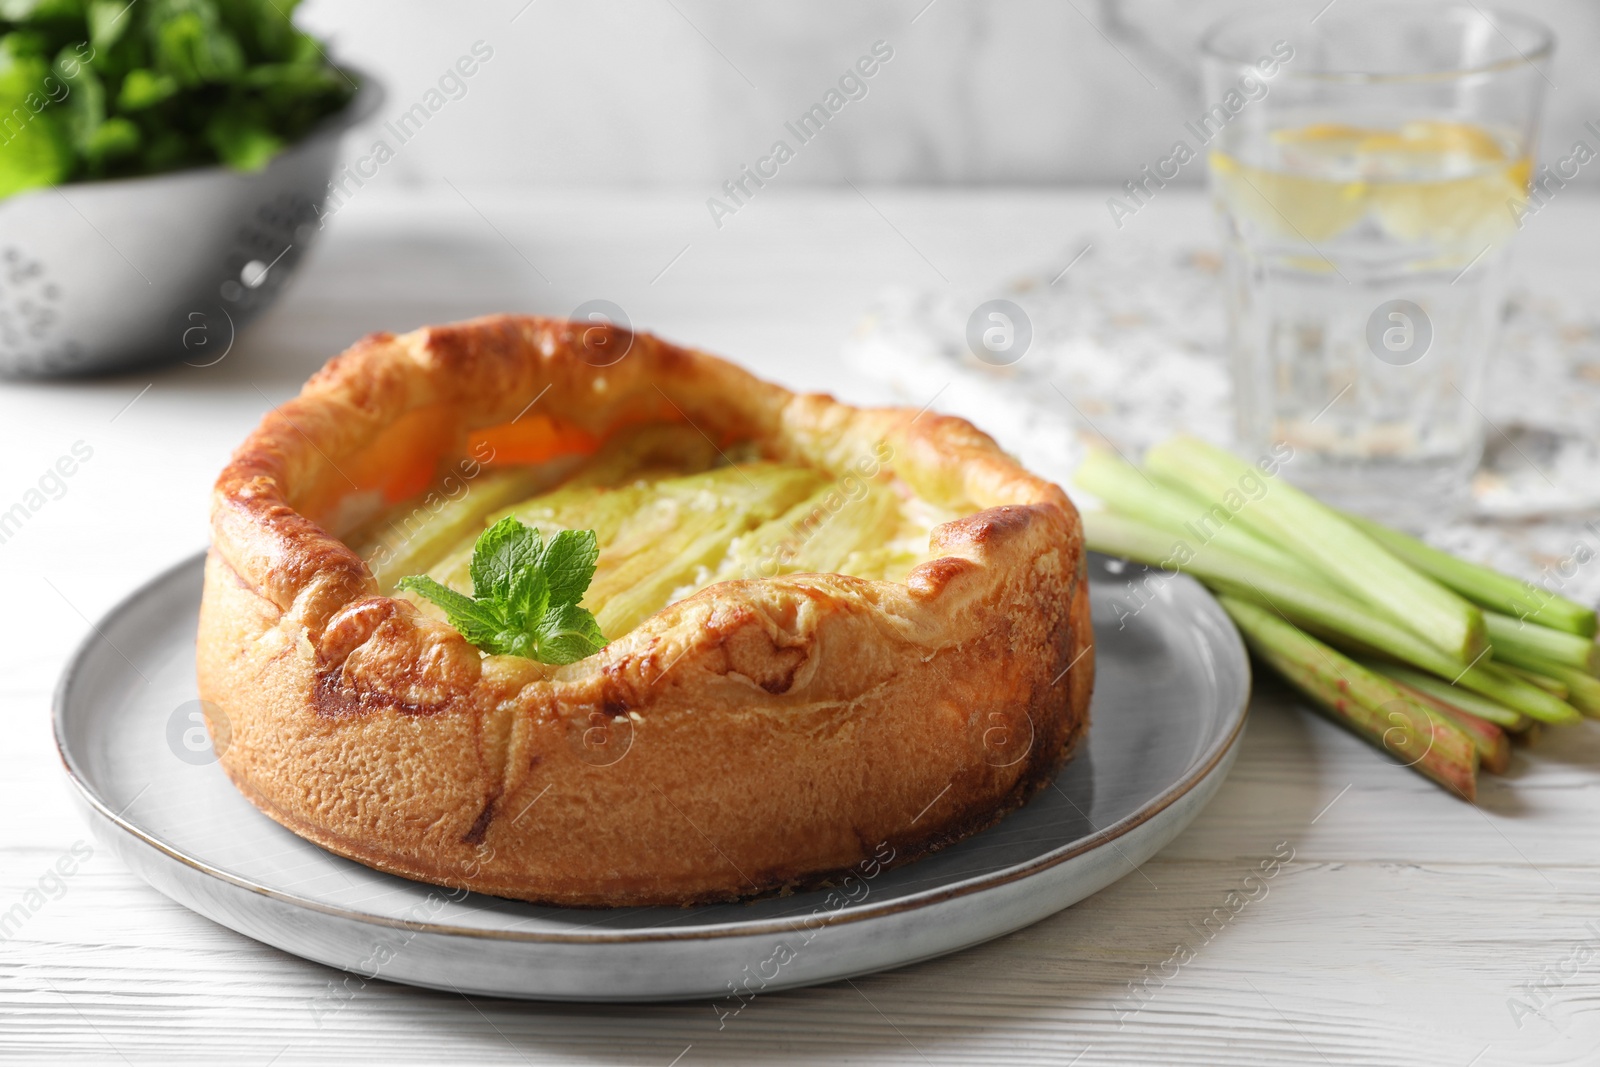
(673, 513)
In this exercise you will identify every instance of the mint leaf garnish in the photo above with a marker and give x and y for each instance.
(569, 633)
(525, 594)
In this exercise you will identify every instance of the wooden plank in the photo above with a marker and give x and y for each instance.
(1402, 948)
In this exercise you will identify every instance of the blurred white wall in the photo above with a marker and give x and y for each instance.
(684, 92)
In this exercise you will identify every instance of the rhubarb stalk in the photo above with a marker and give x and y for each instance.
(1310, 603)
(1295, 521)
(1372, 707)
(1484, 586)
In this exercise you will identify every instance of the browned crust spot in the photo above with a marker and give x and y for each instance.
(480, 826)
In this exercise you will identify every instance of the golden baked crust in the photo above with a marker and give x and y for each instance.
(756, 735)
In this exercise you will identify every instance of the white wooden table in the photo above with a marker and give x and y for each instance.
(1408, 928)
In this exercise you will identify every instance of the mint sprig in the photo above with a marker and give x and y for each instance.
(525, 594)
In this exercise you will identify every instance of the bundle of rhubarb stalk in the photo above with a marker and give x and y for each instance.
(1438, 661)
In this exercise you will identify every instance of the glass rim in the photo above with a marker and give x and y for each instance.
(1499, 18)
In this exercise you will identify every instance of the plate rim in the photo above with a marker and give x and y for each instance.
(1196, 773)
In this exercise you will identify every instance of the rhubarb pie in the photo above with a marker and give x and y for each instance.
(824, 633)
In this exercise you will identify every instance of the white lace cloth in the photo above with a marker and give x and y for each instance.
(1127, 347)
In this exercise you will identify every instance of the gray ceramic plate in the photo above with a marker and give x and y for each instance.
(1169, 708)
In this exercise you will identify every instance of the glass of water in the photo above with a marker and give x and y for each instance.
(1370, 163)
